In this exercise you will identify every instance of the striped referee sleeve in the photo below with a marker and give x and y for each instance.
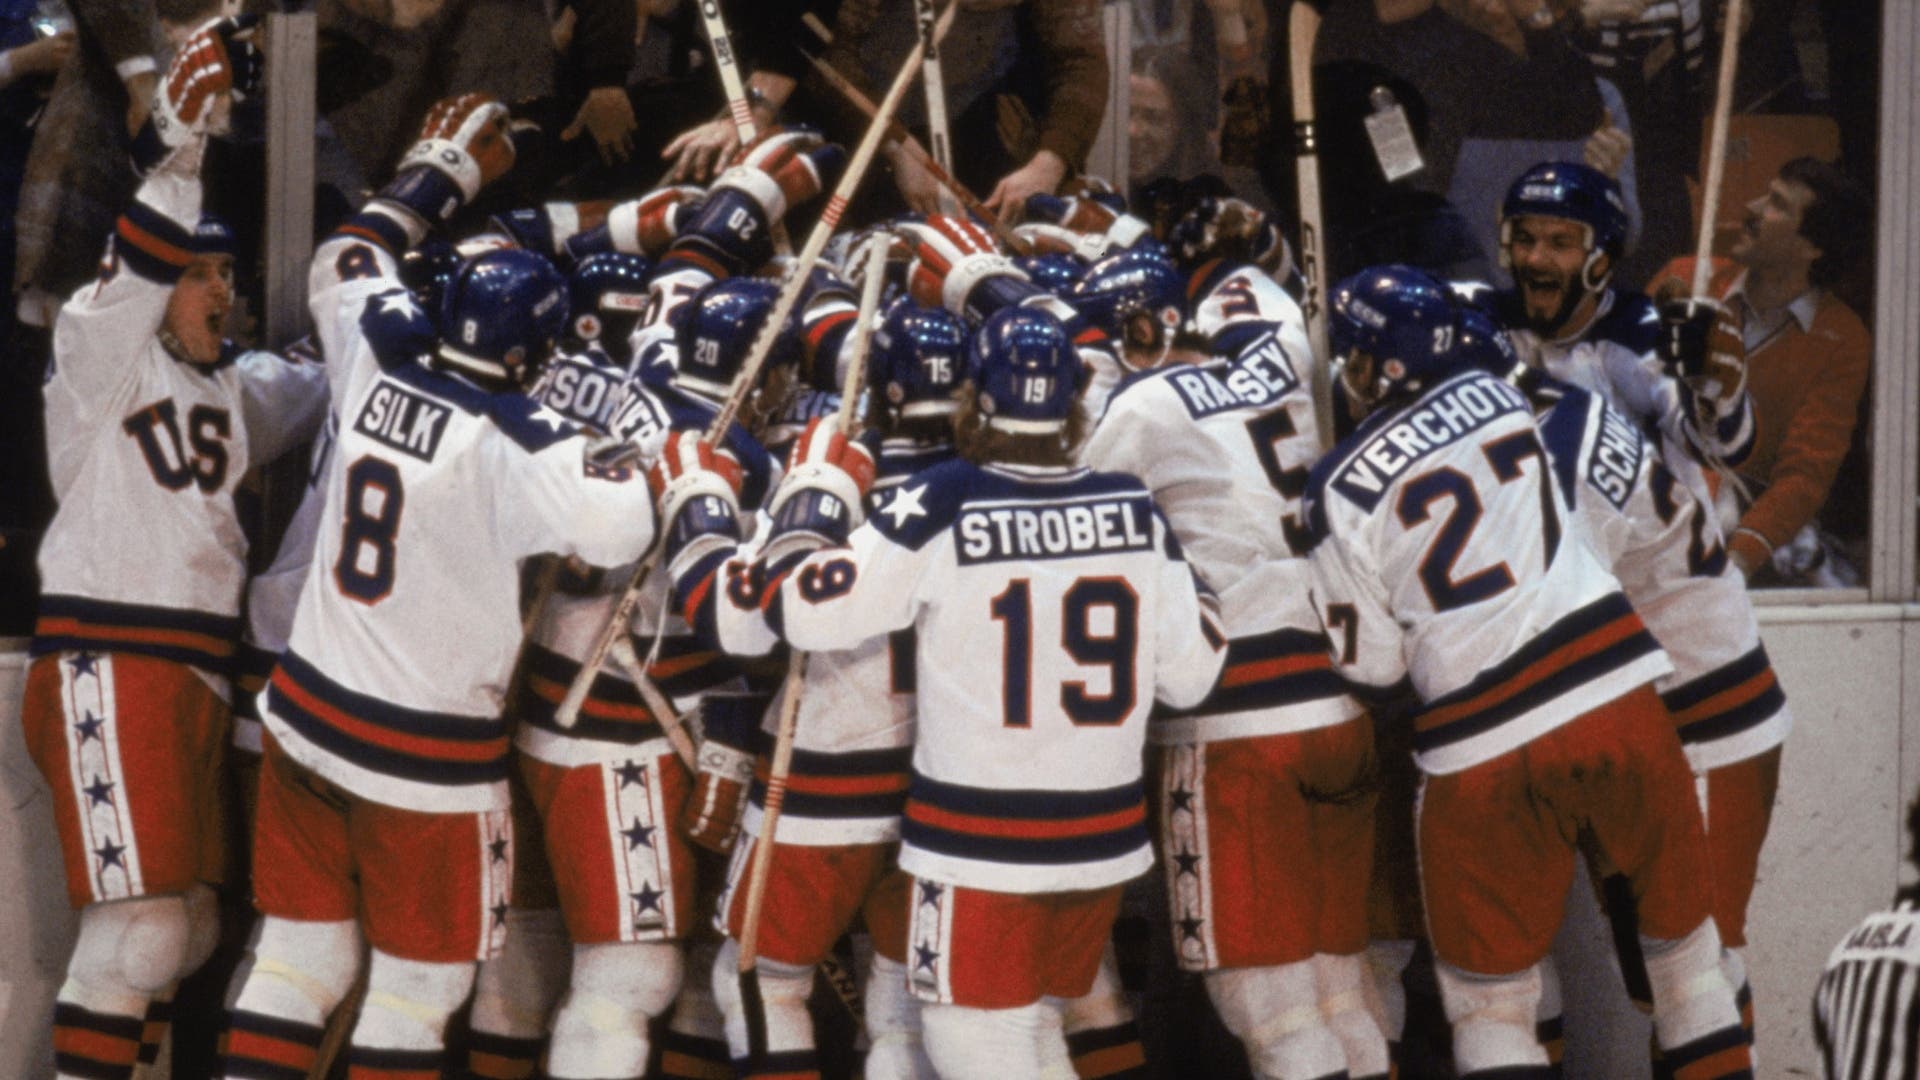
(1866, 1018)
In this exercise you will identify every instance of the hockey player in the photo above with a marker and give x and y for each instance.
(1050, 607)
(1677, 369)
(840, 828)
(1445, 554)
(1266, 788)
(1665, 548)
(383, 789)
(609, 297)
(609, 789)
(152, 419)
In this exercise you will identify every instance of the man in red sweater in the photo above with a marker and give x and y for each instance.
(1808, 354)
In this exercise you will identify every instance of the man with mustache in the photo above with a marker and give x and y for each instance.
(1677, 368)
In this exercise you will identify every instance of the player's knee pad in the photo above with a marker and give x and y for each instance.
(987, 1044)
(1275, 1013)
(783, 998)
(1492, 1018)
(638, 977)
(133, 948)
(897, 1051)
(515, 992)
(1351, 1011)
(1104, 1005)
(1691, 998)
(616, 990)
(1387, 962)
(409, 1001)
(297, 970)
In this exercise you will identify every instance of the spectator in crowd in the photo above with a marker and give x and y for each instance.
(1164, 136)
(1862, 1007)
(28, 61)
(1026, 85)
(1808, 353)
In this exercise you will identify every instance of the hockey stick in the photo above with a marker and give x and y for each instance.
(1717, 147)
(897, 132)
(657, 703)
(739, 107)
(938, 132)
(1303, 26)
(569, 711)
(781, 765)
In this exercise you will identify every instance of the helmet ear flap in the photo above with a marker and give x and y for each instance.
(1591, 279)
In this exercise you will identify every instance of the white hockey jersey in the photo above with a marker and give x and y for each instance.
(146, 552)
(392, 682)
(1445, 553)
(1225, 447)
(1050, 607)
(614, 721)
(1665, 549)
(1614, 357)
(853, 735)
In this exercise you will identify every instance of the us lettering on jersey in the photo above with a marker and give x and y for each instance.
(402, 420)
(987, 533)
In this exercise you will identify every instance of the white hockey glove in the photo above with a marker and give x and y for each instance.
(697, 490)
(823, 497)
(958, 265)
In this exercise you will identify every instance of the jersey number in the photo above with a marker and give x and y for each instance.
(1445, 590)
(1267, 433)
(1109, 644)
(1705, 556)
(375, 497)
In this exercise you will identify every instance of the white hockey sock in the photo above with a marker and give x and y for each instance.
(1387, 961)
(893, 1025)
(993, 1044)
(1492, 1018)
(1344, 985)
(1275, 1013)
(600, 1029)
(1694, 1016)
(783, 998)
(515, 992)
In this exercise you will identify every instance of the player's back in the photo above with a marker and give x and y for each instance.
(1443, 517)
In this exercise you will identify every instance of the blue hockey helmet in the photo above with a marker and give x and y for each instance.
(1483, 343)
(918, 360)
(500, 315)
(715, 331)
(1572, 192)
(1393, 329)
(1118, 290)
(1025, 372)
(1056, 271)
(609, 294)
(425, 271)
(213, 236)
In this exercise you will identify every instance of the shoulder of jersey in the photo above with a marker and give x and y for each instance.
(1136, 379)
(1632, 322)
(396, 329)
(1563, 429)
(920, 507)
(531, 425)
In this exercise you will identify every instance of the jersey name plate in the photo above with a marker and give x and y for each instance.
(1439, 421)
(1616, 459)
(403, 420)
(988, 532)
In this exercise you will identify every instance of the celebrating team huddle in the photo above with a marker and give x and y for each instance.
(664, 610)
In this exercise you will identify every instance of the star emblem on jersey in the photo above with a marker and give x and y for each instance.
(83, 664)
(638, 836)
(631, 772)
(399, 302)
(89, 728)
(99, 793)
(553, 420)
(906, 505)
(647, 899)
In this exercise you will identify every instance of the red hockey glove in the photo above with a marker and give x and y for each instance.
(466, 139)
(952, 258)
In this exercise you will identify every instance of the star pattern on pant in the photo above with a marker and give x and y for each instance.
(89, 728)
(631, 772)
(1189, 928)
(929, 893)
(499, 913)
(1182, 797)
(85, 663)
(497, 849)
(638, 836)
(1187, 862)
(111, 854)
(100, 792)
(924, 959)
(647, 899)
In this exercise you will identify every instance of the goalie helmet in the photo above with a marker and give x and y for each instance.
(1025, 372)
(1393, 330)
(919, 359)
(716, 329)
(609, 294)
(1572, 192)
(500, 316)
(1118, 290)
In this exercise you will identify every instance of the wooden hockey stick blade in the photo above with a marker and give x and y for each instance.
(1303, 26)
(657, 703)
(1717, 147)
(796, 279)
